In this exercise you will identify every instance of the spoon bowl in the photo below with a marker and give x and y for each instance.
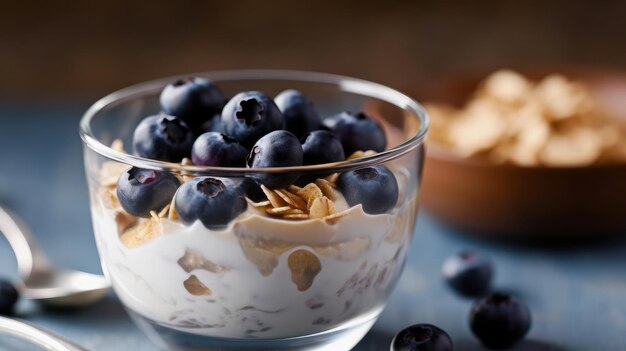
(65, 288)
(42, 281)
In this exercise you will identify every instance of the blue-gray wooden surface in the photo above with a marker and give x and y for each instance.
(577, 295)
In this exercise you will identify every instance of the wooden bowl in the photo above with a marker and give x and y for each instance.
(510, 202)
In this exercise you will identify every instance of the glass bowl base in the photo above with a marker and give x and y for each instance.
(341, 338)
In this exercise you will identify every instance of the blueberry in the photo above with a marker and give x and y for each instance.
(250, 115)
(247, 186)
(468, 273)
(212, 125)
(140, 191)
(252, 190)
(357, 132)
(162, 137)
(276, 149)
(211, 200)
(216, 149)
(8, 297)
(374, 187)
(194, 100)
(499, 320)
(421, 337)
(321, 146)
(299, 114)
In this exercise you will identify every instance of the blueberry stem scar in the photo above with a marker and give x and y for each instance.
(251, 111)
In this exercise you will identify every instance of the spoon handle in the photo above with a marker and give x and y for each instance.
(30, 258)
(37, 335)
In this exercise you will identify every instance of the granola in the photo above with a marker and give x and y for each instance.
(511, 119)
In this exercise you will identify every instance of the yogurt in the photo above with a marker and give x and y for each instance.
(259, 277)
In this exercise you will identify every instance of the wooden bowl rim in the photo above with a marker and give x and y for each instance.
(441, 153)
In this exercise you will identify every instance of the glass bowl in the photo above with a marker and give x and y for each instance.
(263, 281)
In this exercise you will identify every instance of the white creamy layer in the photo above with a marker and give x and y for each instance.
(253, 291)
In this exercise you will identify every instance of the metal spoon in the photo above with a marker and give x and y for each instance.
(41, 280)
(37, 335)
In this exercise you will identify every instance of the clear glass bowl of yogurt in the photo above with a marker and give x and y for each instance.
(302, 267)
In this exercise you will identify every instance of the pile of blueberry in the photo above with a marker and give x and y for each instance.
(249, 130)
(498, 320)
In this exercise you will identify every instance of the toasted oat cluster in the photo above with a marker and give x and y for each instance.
(511, 119)
(313, 201)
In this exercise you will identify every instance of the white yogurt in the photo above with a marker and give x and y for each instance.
(252, 290)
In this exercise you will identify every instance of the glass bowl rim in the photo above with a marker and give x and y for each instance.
(347, 84)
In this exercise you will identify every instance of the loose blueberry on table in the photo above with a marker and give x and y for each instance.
(8, 297)
(422, 337)
(468, 273)
(500, 320)
(162, 137)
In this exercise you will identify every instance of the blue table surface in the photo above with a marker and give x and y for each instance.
(577, 295)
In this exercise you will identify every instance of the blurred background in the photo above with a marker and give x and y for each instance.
(77, 49)
(58, 57)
